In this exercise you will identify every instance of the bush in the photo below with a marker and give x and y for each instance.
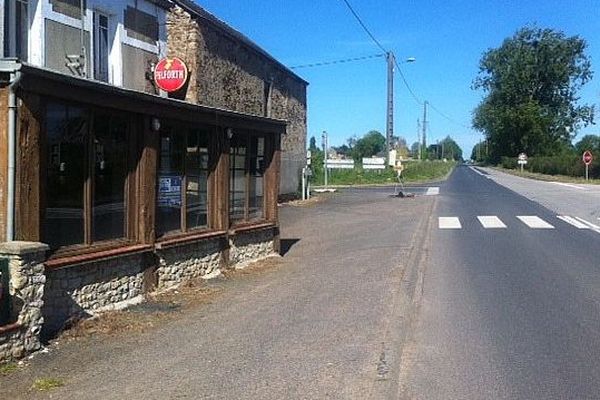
(567, 164)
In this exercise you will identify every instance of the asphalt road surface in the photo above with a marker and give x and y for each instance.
(327, 323)
(511, 297)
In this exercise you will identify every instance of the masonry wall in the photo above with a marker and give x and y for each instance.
(226, 73)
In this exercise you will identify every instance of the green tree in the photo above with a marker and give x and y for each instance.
(531, 84)
(369, 145)
(588, 142)
(450, 149)
(313, 144)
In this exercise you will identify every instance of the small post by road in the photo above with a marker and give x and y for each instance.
(325, 172)
(587, 159)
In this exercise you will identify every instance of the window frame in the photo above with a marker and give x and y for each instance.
(129, 231)
(185, 128)
(267, 156)
(96, 37)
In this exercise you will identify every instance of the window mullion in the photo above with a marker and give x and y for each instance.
(89, 182)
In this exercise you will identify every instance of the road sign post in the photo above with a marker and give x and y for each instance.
(522, 160)
(587, 159)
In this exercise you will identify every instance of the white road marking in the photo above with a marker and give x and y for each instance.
(534, 222)
(432, 191)
(570, 220)
(479, 172)
(449, 223)
(490, 222)
(593, 227)
(569, 185)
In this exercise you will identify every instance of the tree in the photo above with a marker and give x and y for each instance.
(588, 142)
(450, 149)
(369, 145)
(531, 84)
(313, 144)
(414, 149)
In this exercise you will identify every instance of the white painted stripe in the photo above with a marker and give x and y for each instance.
(569, 185)
(573, 221)
(534, 222)
(594, 227)
(490, 222)
(449, 223)
(432, 191)
(479, 172)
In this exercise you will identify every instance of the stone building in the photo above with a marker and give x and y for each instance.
(111, 187)
(233, 73)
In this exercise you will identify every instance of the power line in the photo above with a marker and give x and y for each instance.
(447, 117)
(414, 96)
(346, 60)
(364, 26)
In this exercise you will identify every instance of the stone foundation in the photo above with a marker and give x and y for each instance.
(79, 291)
(193, 260)
(250, 246)
(26, 290)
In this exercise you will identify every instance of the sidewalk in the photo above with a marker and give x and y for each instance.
(325, 321)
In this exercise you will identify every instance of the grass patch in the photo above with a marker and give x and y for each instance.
(46, 384)
(548, 178)
(9, 368)
(414, 172)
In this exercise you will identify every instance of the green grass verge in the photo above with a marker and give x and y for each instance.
(547, 178)
(414, 172)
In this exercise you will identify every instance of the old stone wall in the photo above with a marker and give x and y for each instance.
(193, 260)
(79, 291)
(227, 73)
(250, 246)
(26, 289)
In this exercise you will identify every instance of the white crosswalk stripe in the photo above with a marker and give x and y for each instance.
(534, 222)
(573, 221)
(490, 222)
(591, 226)
(449, 223)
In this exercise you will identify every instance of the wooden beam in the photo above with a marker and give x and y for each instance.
(219, 181)
(29, 165)
(147, 182)
(272, 178)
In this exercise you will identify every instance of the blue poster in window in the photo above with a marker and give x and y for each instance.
(169, 191)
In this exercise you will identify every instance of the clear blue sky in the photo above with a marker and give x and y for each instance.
(446, 37)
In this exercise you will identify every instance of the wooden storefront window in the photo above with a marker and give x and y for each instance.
(87, 176)
(248, 159)
(183, 169)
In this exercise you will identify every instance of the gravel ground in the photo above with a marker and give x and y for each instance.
(326, 320)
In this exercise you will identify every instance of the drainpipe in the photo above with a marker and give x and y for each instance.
(12, 136)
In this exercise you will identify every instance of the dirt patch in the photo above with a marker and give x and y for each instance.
(310, 202)
(162, 307)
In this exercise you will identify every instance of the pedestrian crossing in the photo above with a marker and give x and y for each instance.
(530, 221)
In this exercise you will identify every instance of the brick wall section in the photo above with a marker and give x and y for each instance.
(225, 73)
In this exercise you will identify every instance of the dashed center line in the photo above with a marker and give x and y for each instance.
(491, 222)
(449, 223)
(534, 222)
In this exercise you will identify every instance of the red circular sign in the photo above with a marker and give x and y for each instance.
(587, 157)
(170, 74)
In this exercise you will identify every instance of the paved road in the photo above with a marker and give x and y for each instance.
(511, 300)
(328, 323)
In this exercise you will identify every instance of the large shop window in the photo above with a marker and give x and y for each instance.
(182, 203)
(246, 178)
(86, 164)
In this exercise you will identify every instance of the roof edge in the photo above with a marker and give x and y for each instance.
(196, 10)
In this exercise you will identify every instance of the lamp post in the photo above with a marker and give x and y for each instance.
(391, 61)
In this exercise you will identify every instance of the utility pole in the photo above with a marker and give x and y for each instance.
(424, 126)
(390, 103)
(419, 136)
(324, 137)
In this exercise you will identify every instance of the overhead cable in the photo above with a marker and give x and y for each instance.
(346, 60)
(364, 26)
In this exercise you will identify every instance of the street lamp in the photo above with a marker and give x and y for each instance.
(391, 61)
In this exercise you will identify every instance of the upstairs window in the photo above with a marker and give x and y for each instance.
(16, 29)
(101, 46)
